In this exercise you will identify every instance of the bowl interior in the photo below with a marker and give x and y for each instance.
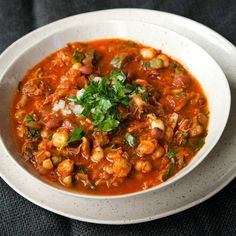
(195, 59)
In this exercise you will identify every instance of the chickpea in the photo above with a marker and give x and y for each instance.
(156, 123)
(143, 166)
(159, 152)
(121, 167)
(66, 167)
(76, 66)
(45, 145)
(195, 131)
(42, 155)
(47, 164)
(147, 53)
(44, 133)
(117, 153)
(56, 160)
(59, 139)
(145, 147)
(97, 154)
(165, 60)
(67, 181)
(82, 176)
(108, 170)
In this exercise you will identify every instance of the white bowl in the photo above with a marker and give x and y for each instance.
(194, 58)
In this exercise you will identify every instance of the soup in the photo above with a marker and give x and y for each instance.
(108, 117)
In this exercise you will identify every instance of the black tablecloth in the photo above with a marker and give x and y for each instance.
(217, 216)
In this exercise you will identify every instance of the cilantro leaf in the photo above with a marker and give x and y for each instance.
(108, 124)
(77, 57)
(119, 60)
(177, 68)
(100, 99)
(29, 118)
(32, 133)
(130, 140)
(171, 154)
(76, 134)
(155, 63)
(196, 144)
(169, 172)
(72, 99)
(145, 64)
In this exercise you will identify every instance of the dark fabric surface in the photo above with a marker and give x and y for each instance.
(217, 216)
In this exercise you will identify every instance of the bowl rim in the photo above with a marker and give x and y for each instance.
(172, 179)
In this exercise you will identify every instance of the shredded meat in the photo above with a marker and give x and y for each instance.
(36, 87)
(100, 138)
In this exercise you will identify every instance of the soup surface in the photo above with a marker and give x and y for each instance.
(108, 117)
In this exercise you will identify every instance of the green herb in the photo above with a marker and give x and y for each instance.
(155, 63)
(145, 64)
(118, 75)
(77, 57)
(205, 133)
(130, 140)
(29, 118)
(56, 160)
(145, 96)
(169, 172)
(200, 142)
(196, 144)
(101, 98)
(90, 56)
(119, 60)
(177, 68)
(76, 134)
(72, 99)
(108, 125)
(32, 133)
(171, 154)
(50, 137)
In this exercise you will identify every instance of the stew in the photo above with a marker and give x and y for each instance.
(109, 117)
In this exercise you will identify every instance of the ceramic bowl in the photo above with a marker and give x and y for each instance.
(193, 57)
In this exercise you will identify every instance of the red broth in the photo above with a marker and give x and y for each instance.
(109, 117)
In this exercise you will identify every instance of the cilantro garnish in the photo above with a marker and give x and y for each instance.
(77, 57)
(171, 154)
(76, 134)
(120, 60)
(169, 171)
(177, 68)
(29, 118)
(101, 98)
(196, 144)
(130, 140)
(33, 133)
